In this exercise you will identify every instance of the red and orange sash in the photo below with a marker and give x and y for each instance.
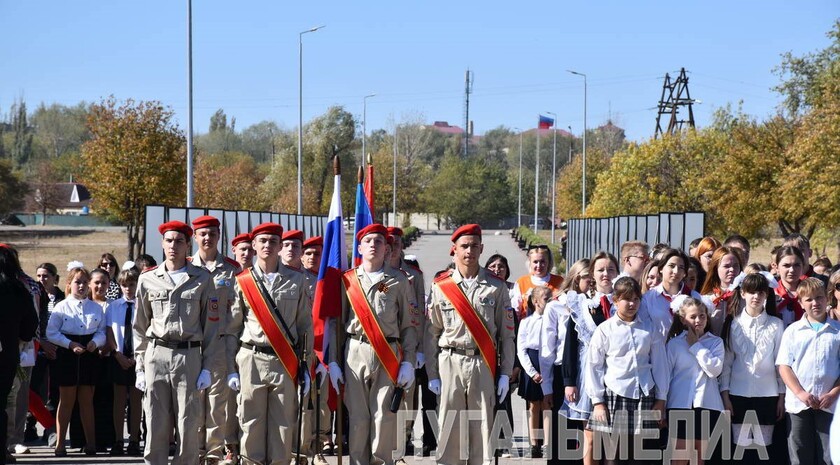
(271, 327)
(389, 359)
(476, 327)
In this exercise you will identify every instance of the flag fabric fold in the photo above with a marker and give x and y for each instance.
(369, 189)
(546, 122)
(364, 217)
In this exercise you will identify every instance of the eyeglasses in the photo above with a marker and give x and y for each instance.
(640, 257)
(538, 247)
(107, 265)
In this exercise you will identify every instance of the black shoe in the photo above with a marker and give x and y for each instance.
(409, 448)
(536, 452)
(30, 435)
(117, 449)
(172, 446)
(133, 449)
(90, 451)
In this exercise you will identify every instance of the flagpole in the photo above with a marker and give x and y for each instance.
(537, 180)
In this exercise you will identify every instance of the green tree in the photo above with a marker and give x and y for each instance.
(21, 150)
(569, 182)
(12, 188)
(59, 129)
(227, 180)
(467, 190)
(136, 157)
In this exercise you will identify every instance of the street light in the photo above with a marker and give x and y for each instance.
(189, 108)
(553, 176)
(394, 206)
(300, 119)
(364, 125)
(519, 211)
(583, 186)
(571, 139)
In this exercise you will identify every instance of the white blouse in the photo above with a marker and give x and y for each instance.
(752, 348)
(656, 306)
(694, 372)
(115, 319)
(531, 336)
(629, 358)
(78, 318)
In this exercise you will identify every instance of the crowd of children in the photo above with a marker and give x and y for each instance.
(740, 363)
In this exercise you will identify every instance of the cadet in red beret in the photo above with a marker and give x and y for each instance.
(312, 250)
(291, 248)
(177, 367)
(220, 425)
(242, 250)
(381, 312)
(463, 351)
(272, 320)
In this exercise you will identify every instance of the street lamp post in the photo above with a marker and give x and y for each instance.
(553, 177)
(300, 119)
(519, 211)
(189, 108)
(537, 182)
(571, 139)
(583, 186)
(394, 206)
(364, 125)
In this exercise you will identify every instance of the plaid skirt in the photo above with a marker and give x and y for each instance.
(626, 415)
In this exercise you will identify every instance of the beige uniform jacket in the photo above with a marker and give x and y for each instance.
(390, 299)
(292, 301)
(175, 313)
(445, 328)
(415, 277)
(222, 297)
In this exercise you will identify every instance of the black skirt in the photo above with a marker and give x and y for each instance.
(119, 376)
(76, 370)
(703, 422)
(528, 389)
(763, 410)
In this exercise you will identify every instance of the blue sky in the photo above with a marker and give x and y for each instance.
(412, 54)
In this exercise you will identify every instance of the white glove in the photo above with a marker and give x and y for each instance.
(504, 386)
(434, 386)
(307, 383)
(140, 381)
(203, 380)
(233, 382)
(421, 360)
(321, 370)
(405, 378)
(335, 376)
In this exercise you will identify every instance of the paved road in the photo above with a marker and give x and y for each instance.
(432, 251)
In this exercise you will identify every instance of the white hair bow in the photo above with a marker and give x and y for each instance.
(128, 265)
(677, 302)
(75, 264)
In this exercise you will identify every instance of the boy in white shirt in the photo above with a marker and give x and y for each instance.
(809, 363)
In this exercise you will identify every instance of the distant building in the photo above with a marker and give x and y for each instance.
(64, 198)
(444, 127)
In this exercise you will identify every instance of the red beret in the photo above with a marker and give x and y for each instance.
(314, 241)
(179, 226)
(293, 234)
(466, 230)
(391, 239)
(395, 231)
(244, 237)
(374, 228)
(205, 221)
(267, 228)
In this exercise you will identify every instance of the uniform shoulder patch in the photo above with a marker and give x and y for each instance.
(149, 269)
(415, 268)
(441, 275)
(232, 262)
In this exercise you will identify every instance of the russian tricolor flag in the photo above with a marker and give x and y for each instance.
(545, 122)
(364, 216)
(327, 302)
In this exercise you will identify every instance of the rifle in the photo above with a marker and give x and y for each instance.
(302, 370)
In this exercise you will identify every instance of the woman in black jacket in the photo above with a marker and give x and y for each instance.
(19, 324)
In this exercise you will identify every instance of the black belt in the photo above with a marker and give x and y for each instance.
(268, 350)
(363, 338)
(176, 344)
(465, 352)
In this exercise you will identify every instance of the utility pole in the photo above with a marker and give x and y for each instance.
(678, 96)
(468, 85)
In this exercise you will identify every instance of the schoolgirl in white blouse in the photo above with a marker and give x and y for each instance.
(695, 359)
(529, 343)
(77, 327)
(724, 267)
(656, 303)
(750, 384)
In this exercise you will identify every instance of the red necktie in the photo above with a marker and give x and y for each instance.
(605, 306)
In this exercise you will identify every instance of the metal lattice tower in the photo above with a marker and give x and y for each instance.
(669, 105)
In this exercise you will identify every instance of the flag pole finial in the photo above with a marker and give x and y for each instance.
(369, 159)
(361, 175)
(336, 165)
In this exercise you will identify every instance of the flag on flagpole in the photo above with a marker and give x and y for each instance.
(327, 302)
(364, 217)
(369, 188)
(546, 122)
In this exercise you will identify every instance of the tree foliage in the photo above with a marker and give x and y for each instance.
(136, 156)
(226, 181)
(12, 188)
(466, 190)
(569, 182)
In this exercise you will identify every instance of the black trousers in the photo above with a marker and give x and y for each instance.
(428, 402)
